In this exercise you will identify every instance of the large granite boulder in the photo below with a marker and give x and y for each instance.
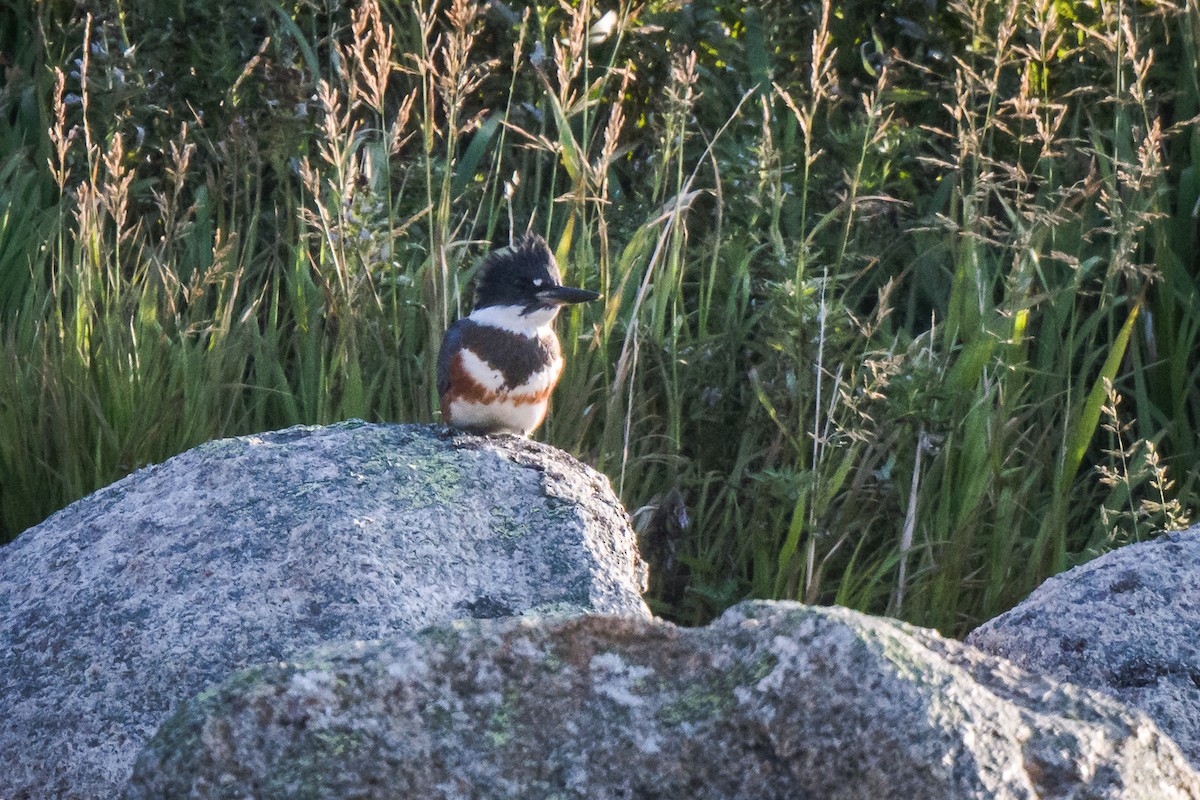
(258, 548)
(1127, 624)
(773, 700)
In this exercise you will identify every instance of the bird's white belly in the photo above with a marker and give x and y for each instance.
(501, 415)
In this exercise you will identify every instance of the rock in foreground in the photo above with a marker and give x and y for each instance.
(1126, 624)
(774, 700)
(253, 549)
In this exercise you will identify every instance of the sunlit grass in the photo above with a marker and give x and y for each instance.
(909, 340)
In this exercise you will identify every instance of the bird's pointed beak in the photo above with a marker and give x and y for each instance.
(566, 295)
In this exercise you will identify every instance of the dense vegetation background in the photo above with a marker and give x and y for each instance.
(901, 297)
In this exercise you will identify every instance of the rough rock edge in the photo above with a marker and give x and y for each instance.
(315, 727)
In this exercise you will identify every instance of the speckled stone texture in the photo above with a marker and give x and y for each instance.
(254, 549)
(1127, 624)
(773, 700)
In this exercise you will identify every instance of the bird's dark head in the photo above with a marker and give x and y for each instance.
(525, 277)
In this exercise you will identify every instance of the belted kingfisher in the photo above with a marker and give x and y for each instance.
(498, 365)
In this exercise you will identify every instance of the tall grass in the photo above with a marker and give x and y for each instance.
(909, 330)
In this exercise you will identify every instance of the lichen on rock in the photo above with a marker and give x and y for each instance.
(254, 549)
(773, 700)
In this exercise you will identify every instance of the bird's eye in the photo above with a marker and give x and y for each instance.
(538, 282)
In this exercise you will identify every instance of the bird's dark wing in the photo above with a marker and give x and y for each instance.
(450, 343)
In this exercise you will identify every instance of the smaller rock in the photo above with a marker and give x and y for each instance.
(1126, 624)
(773, 700)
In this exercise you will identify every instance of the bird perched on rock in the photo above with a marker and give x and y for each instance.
(498, 365)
